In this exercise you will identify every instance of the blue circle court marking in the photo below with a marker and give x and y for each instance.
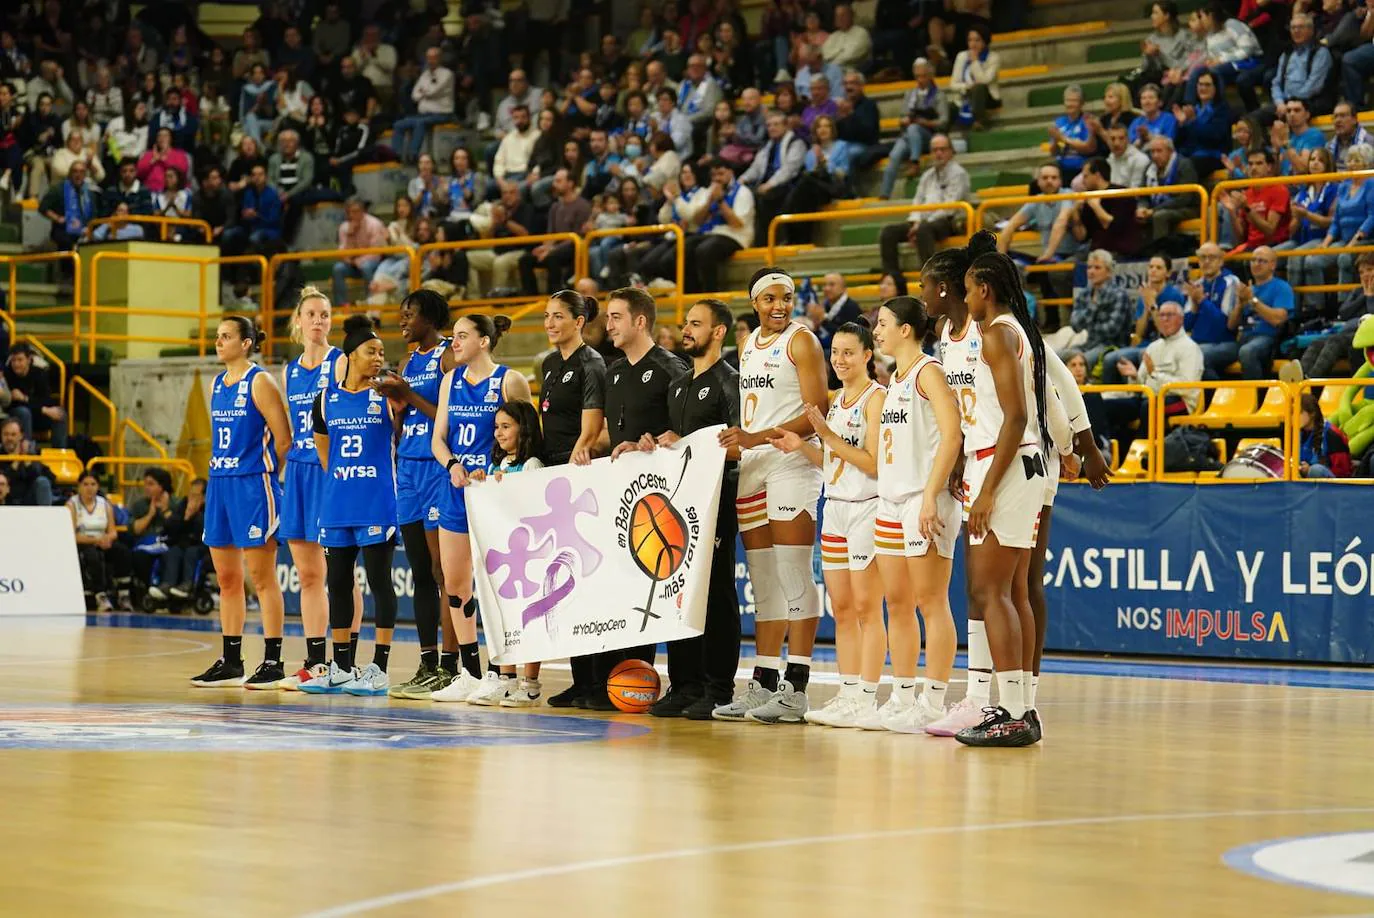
(1337, 862)
(284, 728)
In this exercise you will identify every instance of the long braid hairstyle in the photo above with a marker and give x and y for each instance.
(1000, 274)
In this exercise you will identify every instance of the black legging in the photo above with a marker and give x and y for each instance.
(424, 569)
(104, 568)
(339, 579)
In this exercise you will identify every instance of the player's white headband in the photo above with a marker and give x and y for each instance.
(768, 280)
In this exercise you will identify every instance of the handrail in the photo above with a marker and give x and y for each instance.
(1203, 202)
(14, 331)
(52, 462)
(1152, 468)
(862, 213)
(131, 424)
(656, 229)
(1294, 427)
(1257, 385)
(162, 222)
(579, 256)
(174, 464)
(99, 397)
(269, 306)
(15, 261)
(61, 368)
(1211, 218)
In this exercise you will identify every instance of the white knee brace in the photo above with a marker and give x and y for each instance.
(769, 603)
(798, 584)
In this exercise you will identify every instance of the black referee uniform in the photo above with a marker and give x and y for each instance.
(710, 660)
(570, 386)
(636, 404)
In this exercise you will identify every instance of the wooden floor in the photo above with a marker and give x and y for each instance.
(315, 806)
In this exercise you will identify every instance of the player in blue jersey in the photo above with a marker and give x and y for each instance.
(464, 432)
(250, 434)
(354, 437)
(421, 482)
(303, 379)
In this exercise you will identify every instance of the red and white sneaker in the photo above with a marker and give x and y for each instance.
(959, 716)
(292, 683)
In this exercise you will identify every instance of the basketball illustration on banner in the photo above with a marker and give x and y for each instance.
(660, 539)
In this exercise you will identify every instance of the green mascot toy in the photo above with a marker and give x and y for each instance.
(1356, 421)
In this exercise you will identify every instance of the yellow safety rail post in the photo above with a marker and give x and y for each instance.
(15, 261)
(1293, 441)
(1211, 219)
(14, 333)
(56, 361)
(269, 306)
(1203, 201)
(78, 382)
(164, 224)
(120, 450)
(94, 309)
(657, 229)
(177, 466)
(1151, 423)
(863, 213)
(1283, 420)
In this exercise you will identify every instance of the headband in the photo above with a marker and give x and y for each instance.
(357, 338)
(768, 280)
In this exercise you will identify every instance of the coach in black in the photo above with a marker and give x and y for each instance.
(636, 404)
(701, 670)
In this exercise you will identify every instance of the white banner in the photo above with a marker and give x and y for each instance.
(39, 574)
(1133, 276)
(578, 559)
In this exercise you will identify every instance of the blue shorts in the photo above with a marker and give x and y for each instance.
(241, 511)
(344, 536)
(420, 486)
(453, 511)
(300, 506)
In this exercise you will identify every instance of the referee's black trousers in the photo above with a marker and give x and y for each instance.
(708, 662)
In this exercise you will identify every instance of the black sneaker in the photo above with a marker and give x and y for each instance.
(701, 708)
(567, 698)
(1033, 718)
(220, 675)
(268, 677)
(676, 702)
(998, 728)
(596, 699)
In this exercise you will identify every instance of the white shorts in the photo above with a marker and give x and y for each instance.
(898, 526)
(774, 485)
(1052, 474)
(1019, 499)
(847, 534)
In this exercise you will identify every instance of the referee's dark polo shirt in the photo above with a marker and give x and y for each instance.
(637, 395)
(701, 401)
(570, 387)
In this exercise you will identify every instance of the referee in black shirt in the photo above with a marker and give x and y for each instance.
(572, 399)
(701, 670)
(636, 404)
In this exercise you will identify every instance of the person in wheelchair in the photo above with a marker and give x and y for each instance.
(185, 551)
(147, 528)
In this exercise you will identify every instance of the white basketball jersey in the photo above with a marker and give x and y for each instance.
(910, 436)
(842, 480)
(769, 387)
(959, 355)
(987, 410)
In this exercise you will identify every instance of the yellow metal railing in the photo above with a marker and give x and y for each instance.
(269, 305)
(1221, 416)
(1152, 426)
(164, 224)
(863, 213)
(1211, 219)
(78, 382)
(55, 361)
(14, 261)
(657, 229)
(1293, 440)
(174, 465)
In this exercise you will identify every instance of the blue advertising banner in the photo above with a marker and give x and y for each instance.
(1271, 572)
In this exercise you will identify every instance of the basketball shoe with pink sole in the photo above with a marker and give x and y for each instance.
(960, 716)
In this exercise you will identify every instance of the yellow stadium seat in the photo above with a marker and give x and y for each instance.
(1258, 441)
(63, 463)
(1219, 445)
(1330, 400)
(1132, 468)
(1228, 406)
(1274, 409)
(1116, 454)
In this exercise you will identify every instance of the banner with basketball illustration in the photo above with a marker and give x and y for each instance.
(578, 559)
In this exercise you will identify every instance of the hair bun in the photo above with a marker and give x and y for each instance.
(981, 243)
(361, 322)
(590, 307)
(501, 323)
(862, 321)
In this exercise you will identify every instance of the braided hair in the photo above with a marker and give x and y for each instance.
(1000, 275)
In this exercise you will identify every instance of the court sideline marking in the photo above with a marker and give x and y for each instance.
(363, 906)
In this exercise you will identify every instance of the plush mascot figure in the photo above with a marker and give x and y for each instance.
(1356, 415)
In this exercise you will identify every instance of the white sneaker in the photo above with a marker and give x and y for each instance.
(527, 694)
(754, 696)
(959, 716)
(661, 285)
(492, 690)
(330, 682)
(915, 718)
(847, 713)
(877, 718)
(821, 716)
(371, 681)
(155, 592)
(462, 688)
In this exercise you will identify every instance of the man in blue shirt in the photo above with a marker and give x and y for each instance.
(1262, 310)
(1071, 137)
(1303, 69)
(1294, 137)
(1211, 300)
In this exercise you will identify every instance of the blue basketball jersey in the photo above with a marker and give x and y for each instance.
(360, 485)
(241, 442)
(423, 374)
(472, 417)
(302, 385)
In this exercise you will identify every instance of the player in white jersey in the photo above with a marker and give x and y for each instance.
(918, 519)
(1004, 486)
(781, 372)
(848, 457)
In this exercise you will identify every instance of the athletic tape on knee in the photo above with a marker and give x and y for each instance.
(798, 585)
(769, 604)
(470, 607)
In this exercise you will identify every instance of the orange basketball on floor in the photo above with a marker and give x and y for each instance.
(633, 686)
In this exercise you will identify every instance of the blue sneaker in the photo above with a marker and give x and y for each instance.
(371, 681)
(329, 683)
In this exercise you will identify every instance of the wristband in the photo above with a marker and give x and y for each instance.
(453, 460)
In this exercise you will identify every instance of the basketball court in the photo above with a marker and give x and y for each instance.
(1160, 789)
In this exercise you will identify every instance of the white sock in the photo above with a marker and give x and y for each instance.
(773, 663)
(1011, 693)
(1031, 687)
(979, 664)
(868, 691)
(934, 694)
(849, 686)
(904, 690)
(799, 660)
